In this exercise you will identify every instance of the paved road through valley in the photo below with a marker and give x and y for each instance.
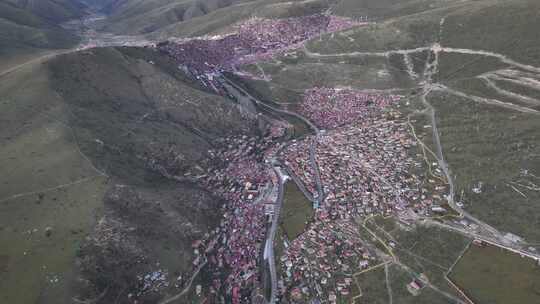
(269, 245)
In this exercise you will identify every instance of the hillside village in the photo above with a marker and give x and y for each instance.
(254, 40)
(364, 153)
(225, 170)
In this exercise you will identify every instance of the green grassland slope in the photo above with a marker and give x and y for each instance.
(140, 17)
(26, 29)
(506, 27)
(165, 18)
(95, 147)
(382, 9)
(55, 11)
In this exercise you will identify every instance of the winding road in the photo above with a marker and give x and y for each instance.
(188, 286)
(313, 144)
(431, 70)
(272, 235)
(269, 244)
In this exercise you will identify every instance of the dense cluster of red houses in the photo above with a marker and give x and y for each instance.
(365, 160)
(322, 261)
(363, 156)
(240, 183)
(330, 108)
(296, 158)
(364, 168)
(237, 173)
(254, 40)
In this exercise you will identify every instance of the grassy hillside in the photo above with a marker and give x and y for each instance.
(141, 17)
(383, 9)
(496, 147)
(55, 11)
(505, 27)
(105, 83)
(23, 33)
(396, 33)
(39, 155)
(99, 141)
(17, 36)
(166, 18)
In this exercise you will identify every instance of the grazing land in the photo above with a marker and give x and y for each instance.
(495, 147)
(490, 274)
(372, 286)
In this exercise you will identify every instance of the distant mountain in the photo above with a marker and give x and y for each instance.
(142, 17)
(30, 26)
(54, 11)
(162, 18)
(221, 20)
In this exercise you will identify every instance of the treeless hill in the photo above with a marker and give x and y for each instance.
(54, 11)
(27, 30)
(104, 137)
